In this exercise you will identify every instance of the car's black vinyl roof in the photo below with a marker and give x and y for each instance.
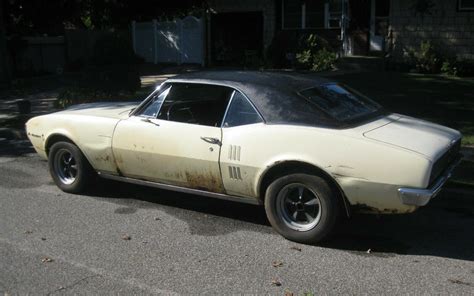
(274, 94)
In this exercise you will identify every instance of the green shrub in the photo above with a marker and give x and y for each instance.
(449, 67)
(315, 54)
(286, 44)
(458, 67)
(426, 58)
(465, 68)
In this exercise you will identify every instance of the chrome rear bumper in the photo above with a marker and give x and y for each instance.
(421, 197)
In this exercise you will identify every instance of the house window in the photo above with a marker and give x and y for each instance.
(466, 5)
(311, 14)
(315, 13)
(333, 14)
(292, 14)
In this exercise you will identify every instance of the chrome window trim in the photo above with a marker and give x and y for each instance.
(146, 100)
(227, 108)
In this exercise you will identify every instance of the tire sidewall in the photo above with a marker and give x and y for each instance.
(328, 207)
(83, 168)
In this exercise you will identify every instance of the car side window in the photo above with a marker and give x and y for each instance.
(194, 103)
(241, 112)
(153, 106)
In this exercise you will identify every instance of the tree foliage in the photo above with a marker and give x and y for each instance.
(39, 17)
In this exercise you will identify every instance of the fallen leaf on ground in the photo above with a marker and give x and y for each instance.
(296, 248)
(157, 218)
(43, 238)
(289, 293)
(276, 282)
(126, 237)
(277, 263)
(46, 259)
(455, 281)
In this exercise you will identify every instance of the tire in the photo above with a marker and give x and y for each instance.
(69, 168)
(282, 201)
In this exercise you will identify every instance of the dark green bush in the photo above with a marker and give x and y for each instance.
(296, 49)
(450, 67)
(315, 54)
(426, 58)
(465, 68)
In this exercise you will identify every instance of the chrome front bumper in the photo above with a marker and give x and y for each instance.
(421, 197)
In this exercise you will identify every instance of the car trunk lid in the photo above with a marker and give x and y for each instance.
(428, 139)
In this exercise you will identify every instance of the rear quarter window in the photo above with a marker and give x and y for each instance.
(340, 102)
(241, 112)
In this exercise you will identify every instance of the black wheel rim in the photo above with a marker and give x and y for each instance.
(65, 166)
(299, 207)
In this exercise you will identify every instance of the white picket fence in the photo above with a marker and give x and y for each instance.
(180, 41)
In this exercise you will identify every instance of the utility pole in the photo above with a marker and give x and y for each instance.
(4, 57)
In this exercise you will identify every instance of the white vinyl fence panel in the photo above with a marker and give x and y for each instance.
(178, 41)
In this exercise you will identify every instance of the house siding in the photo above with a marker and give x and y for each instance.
(450, 30)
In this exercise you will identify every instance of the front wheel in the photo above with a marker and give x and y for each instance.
(69, 168)
(301, 207)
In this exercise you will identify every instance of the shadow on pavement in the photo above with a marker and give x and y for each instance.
(15, 147)
(444, 228)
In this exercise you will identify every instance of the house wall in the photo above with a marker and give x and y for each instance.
(266, 6)
(450, 30)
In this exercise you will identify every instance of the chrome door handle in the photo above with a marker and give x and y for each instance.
(211, 140)
(148, 120)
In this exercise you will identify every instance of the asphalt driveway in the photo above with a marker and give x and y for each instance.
(129, 239)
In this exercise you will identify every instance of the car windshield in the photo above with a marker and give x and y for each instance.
(341, 102)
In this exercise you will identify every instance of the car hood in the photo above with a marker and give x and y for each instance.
(426, 138)
(118, 110)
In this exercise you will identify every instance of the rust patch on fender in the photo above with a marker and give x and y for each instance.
(105, 158)
(207, 182)
(118, 158)
(365, 209)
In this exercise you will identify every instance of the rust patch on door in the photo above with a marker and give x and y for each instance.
(204, 181)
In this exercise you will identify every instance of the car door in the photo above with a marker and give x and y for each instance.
(175, 138)
(242, 131)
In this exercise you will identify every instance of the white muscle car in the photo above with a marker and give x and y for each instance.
(306, 148)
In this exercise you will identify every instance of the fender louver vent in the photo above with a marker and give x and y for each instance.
(234, 153)
(234, 173)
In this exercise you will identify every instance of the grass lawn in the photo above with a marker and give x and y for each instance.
(444, 100)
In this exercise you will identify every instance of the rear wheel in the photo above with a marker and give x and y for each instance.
(69, 168)
(301, 207)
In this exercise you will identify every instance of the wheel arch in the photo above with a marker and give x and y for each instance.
(283, 168)
(54, 138)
